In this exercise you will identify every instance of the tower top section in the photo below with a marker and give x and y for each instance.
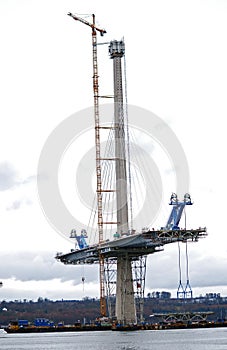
(116, 48)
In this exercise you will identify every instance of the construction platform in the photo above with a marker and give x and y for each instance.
(135, 245)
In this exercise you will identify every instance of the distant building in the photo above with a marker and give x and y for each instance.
(159, 295)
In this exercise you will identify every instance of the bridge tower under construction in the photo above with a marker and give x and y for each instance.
(125, 301)
(129, 250)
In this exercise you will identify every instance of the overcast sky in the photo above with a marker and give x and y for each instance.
(176, 68)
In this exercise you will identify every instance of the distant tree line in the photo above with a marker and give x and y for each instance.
(87, 310)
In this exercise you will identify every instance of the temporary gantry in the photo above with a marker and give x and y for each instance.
(128, 251)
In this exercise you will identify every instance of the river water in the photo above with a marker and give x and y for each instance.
(189, 339)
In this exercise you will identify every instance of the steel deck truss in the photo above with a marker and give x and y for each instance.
(184, 317)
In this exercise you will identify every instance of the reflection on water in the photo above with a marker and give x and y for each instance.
(188, 339)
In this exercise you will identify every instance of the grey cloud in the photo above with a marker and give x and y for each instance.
(28, 180)
(15, 205)
(162, 269)
(18, 203)
(8, 176)
(9, 179)
(209, 271)
(42, 266)
(204, 271)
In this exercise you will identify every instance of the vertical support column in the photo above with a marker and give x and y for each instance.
(139, 274)
(125, 301)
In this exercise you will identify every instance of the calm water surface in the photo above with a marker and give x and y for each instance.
(191, 339)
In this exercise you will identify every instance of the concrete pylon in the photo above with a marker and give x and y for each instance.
(125, 301)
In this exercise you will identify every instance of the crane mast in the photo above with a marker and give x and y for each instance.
(98, 151)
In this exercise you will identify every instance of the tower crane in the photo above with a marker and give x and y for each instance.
(95, 29)
(92, 25)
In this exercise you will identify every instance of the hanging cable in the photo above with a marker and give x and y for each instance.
(108, 181)
(187, 290)
(128, 148)
(107, 169)
(180, 289)
(91, 221)
(143, 181)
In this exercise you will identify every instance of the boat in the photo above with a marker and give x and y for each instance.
(46, 326)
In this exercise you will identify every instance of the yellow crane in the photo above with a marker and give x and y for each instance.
(98, 150)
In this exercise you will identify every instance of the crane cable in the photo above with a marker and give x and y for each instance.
(187, 287)
(186, 249)
(180, 289)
